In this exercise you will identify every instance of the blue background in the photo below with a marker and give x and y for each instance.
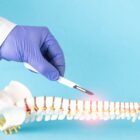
(101, 43)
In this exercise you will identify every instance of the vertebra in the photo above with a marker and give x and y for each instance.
(58, 108)
(15, 111)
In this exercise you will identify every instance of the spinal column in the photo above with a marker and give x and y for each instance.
(54, 108)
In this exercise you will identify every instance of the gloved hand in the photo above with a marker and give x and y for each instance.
(37, 47)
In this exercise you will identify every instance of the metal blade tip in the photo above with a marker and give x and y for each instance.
(89, 92)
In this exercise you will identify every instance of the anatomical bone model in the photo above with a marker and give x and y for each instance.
(17, 106)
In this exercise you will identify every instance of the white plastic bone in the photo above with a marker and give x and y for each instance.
(8, 97)
(14, 116)
(17, 91)
(13, 108)
(112, 111)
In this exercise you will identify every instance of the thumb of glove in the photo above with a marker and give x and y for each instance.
(39, 63)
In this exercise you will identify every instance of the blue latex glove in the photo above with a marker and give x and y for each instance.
(37, 47)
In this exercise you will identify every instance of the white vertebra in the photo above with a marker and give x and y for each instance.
(18, 109)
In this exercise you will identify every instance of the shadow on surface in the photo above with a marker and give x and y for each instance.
(78, 126)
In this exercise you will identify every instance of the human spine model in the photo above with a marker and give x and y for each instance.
(21, 107)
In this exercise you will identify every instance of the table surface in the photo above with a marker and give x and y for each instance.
(101, 43)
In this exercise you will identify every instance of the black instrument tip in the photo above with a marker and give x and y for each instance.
(89, 92)
(83, 90)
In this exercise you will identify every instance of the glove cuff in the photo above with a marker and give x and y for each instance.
(5, 28)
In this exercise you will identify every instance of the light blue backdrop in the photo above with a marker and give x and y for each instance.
(101, 43)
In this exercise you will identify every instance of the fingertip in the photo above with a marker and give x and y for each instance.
(61, 70)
